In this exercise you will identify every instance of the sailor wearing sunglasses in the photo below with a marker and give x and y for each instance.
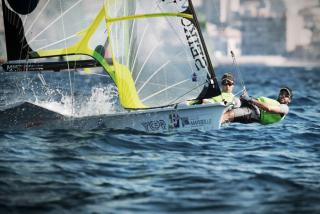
(262, 109)
(227, 96)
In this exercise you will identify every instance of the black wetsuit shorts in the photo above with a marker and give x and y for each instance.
(247, 114)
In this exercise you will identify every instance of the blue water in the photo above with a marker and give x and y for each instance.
(237, 169)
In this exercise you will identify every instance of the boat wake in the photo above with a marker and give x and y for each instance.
(101, 100)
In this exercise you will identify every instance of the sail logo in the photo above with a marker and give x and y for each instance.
(154, 125)
(194, 43)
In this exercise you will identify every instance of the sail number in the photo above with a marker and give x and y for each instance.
(194, 43)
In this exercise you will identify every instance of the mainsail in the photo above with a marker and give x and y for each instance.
(158, 54)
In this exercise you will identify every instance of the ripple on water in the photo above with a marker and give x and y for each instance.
(237, 169)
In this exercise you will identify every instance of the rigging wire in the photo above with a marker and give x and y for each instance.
(174, 102)
(216, 11)
(70, 80)
(235, 64)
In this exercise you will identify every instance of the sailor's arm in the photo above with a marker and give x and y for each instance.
(267, 107)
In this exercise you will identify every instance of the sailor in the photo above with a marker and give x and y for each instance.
(261, 110)
(227, 96)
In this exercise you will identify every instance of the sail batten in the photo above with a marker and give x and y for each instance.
(52, 23)
(165, 89)
(145, 62)
(138, 48)
(155, 73)
(36, 18)
(57, 42)
(130, 42)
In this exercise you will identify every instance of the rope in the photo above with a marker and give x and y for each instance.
(235, 64)
(192, 89)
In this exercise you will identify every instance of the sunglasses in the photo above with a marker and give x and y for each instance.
(284, 94)
(227, 83)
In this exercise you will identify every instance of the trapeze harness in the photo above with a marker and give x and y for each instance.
(228, 97)
(267, 117)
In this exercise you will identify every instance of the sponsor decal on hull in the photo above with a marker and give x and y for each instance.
(195, 123)
(154, 125)
(174, 120)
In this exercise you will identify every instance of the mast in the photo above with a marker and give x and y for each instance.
(213, 89)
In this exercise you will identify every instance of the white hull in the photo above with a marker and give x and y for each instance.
(180, 118)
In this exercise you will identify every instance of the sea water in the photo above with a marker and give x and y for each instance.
(237, 169)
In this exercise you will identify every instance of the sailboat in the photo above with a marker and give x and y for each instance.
(153, 50)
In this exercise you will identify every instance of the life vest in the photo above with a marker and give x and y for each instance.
(268, 117)
(228, 97)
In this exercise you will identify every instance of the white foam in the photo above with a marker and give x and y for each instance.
(101, 101)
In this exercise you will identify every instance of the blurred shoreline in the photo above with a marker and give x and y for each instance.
(270, 61)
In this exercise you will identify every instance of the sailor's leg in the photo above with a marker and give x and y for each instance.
(228, 116)
(240, 115)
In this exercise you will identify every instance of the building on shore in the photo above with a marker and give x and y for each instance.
(263, 36)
